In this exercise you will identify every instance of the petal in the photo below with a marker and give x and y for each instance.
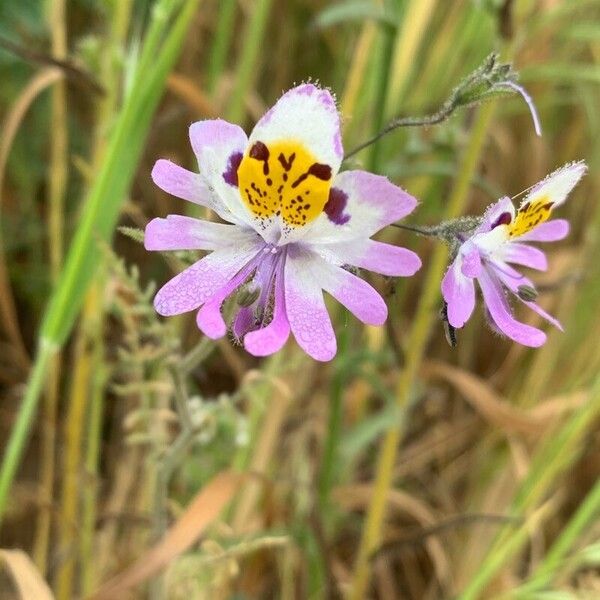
(471, 261)
(219, 147)
(459, 293)
(180, 182)
(362, 300)
(550, 231)
(178, 232)
(306, 311)
(270, 339)
(209, 318)
(494, 214)
(188, 290)
(219, 137)
(512, 279)
(556, 187)
(371, 203)
(521, 254)
(499, 310)
(378, 257)
(308, 115)
(243, 322)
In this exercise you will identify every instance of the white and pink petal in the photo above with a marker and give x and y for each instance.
(219, 147)
(196, 284)
(499, 311)
(556, 187)
(307, 115)
(550, 231)
(522, 254)
(378, 257)
(305, 307)
(361, 299)
(178, 232)
(270, 339)
(458, 291)
(363, 204)
(180, 182)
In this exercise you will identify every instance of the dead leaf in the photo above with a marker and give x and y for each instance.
(482, 397)
(200, 513)
(27, 579)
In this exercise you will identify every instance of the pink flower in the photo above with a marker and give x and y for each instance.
(294, 223)
(484, 255)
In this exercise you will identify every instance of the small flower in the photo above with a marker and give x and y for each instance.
(294, 224)
(485, 252)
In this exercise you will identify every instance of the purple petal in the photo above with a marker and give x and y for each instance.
(243, 322)
(363, 301)
(378, 257)
(499, 310)
(306, 311)
(496, 213)
(180, 182)
(471, 261)
(270, 339)
(209, 318)
(459, 293)
(178, 232)
(521, 254)
(550, 231)
(512, 279)
(188, 290)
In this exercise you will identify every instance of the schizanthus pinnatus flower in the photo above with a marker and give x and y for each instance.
(484, 255)
(295, 223)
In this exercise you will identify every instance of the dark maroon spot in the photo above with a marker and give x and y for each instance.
(335, 206)
(503, 219)
(322, 172)
(525, 207)
(306, 206)
(269, 181)
(285, 177)
(231, 176)
(260, 152)
(286, 163)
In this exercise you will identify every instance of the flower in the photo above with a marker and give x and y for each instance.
(484, 255)
(294, 224)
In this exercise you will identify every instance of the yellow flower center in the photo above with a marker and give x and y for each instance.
(284, 179)
(530, 215)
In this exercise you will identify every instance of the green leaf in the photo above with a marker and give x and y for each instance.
(354, 10)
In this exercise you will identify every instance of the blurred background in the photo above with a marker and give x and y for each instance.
(492, 448)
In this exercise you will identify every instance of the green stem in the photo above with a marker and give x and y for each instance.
(585, 515)
(20, 430)
(383, 70)
(557, 453)
(334, 425)
(247, 67)
(222, 42)
(98, 220)
(416, 342)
